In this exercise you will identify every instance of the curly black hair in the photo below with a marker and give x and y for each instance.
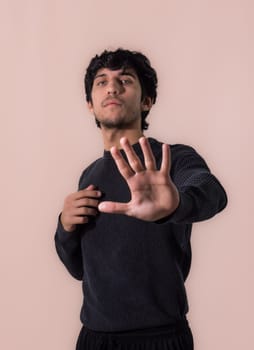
(122, 59)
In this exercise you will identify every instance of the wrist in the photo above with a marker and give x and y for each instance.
(173, 208)
(67, 227)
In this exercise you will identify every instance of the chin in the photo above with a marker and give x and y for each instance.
(110, 123)
(117, 121)
(113, 125)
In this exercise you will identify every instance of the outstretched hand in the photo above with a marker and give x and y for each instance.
(153, 194)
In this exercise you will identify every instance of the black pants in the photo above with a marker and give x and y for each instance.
(173, 337)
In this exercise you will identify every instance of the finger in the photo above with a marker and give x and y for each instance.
(87, 193)
(90, 187)
(132, 157)
(80, 220)
(121, 164)
(114, 207)
(166, 159)
(86, 202)
(85, 211)
(148, 154)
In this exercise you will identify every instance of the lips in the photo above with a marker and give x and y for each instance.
(112, 102)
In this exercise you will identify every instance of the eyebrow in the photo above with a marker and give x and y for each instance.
(123, 72)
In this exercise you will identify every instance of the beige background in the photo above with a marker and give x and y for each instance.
(203, 53)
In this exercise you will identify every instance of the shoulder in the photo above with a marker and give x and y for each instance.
(178, 150)
(182, 155)
(182, 151)
(186, 158)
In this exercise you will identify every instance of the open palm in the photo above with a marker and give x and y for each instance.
(153, 194)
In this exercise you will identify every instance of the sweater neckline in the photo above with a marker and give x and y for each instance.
(136, 147)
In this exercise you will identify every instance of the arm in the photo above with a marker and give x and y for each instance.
(184, 194)
(201, 194)
(68, 247)
(77, 208)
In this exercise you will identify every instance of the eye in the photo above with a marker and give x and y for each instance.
(101, 83)
(125, 81)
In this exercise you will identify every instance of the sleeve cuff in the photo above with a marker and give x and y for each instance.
(181, 212)
(65, 236)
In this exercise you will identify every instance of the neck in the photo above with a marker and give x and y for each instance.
(111, 137)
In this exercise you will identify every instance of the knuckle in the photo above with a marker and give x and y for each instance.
(84, 219)
(85, 201)
(134, 162)
(94, 205)
(84, 210)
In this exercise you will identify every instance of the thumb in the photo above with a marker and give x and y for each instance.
(113, 207)
(90, 187)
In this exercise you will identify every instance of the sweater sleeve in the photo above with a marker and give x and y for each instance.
(201, 194)
(68, 246)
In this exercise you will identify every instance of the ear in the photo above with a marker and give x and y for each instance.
(146, 104)
(90, 106)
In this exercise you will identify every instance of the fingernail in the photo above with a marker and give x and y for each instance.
(101, 206)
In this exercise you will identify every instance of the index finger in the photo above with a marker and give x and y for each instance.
(123, 167)
(87, 192)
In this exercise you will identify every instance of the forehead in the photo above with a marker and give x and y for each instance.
(107, 72)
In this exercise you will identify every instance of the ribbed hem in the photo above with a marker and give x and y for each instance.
(177, 336)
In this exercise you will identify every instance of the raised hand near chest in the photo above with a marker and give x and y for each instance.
(153, 194)
(78, 207)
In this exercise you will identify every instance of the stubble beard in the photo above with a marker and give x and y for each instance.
(123, 122)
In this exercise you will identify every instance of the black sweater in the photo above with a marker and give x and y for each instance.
(133, 271)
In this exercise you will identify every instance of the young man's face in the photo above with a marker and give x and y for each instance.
(116, 98)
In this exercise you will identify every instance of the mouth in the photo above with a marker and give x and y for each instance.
(112, 103)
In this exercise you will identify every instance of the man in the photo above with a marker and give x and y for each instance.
(126, 232)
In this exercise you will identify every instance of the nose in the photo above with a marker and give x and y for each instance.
(113, 88)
